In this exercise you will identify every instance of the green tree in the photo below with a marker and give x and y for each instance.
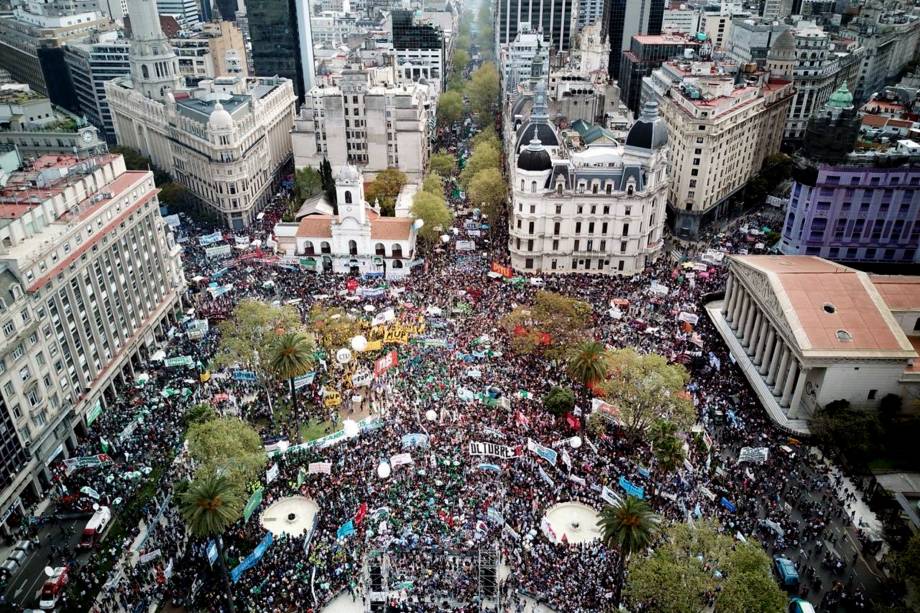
(434, 184)
(209, 506)
(333, 326)
(907, 569)
(487, 136)
(229, 447)
(666, 445)
(290, 356)
(460, 60)
(559, 401)
(483, 157)
(450, 108)
(328, 183)
(488, 190)
(307, 182)
(200, 413)
(442, 163)
(251, 328)
(433, 210)
(680, 575)
(644, 387)
(629, 527)
(385, 188)
(550, 326)
(586, 363)
(851, 433)
(482, 90)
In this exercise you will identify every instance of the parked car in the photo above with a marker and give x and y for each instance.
(786, 572)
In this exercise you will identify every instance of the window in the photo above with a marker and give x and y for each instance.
(872, 394)
(33, 397)
(18, 352)
(24, 373)
(347, 196)
(556, 228)
(8, 389)
(9, 328)
(528, 263)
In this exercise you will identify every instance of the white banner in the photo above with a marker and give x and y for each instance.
(491, 449)
(466, 245)
(399, 459)
(758, 455)
(383, 317)
(658, 288)
(609, 496)
(272, 473)
(362, 378)
(319, 468)
(690, 318)
(221, 251)
(147, 557)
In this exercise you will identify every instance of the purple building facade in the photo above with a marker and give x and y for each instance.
(855, 213)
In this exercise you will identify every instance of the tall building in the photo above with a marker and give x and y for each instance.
(777, 10)
(282, 41)
(91, 276)
(751, 38)
(90, 65)
(721, 125)
(419, 48)
(370, 127)
(589, 11)
(623, 20)
(681, 18)
(215, 50)
(551, 17)
(890, 42)
(31, 124)
(525, 57)
(646, 53)
(225, 140)
(595, 207)
(185, 12)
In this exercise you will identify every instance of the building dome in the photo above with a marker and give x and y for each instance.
(842, 98)
(348, 174)
(541, 131)
(650, 132)
(534, 158)
(220, 119)
(783, 47)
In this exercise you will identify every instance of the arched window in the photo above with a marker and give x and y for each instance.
(609, 187)
(352, 246)
(397, 264)
(379, 249)
(144, 71)
(308, 248)
(324, 247)
(594, 187)
(533, 187)
(629, 190)
(559, 187)
(522, 184)
(347, 197)
(397, 251)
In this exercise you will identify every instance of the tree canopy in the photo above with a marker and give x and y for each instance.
(442, 163)
(433, 210)
(694, 561)
(333, 326)
(250, 329)
(482, 90)
(550, 326)
(433, 184)
(307, 182)
(488, 191)
(385, 188)
(227, 446)
(484, 156)
(450, 108)
(559, 401)
(488, 136)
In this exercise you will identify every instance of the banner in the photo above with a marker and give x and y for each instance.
(331, 398)
(147, 557)
(609, 496)
(579, 480)
(212, 552)
(320, 468)
(304, 380)
(465, 245)
(495, 517)
(505, 271)
(708, 493)
(346, 529)
(545, 477)
(208, 239)
(218, 291)
(172, 221)
(90, 492)
(371, 292)
(631, 488)
(362, 378)
(243, 375)
(658, 288)
(690, 318)
(548, 454)
(399, 459)
(388, 361)
(94, 413)
(88, 461)
(197, 329)
(383, 317)
(608, 410)
(758, 455)
(252, 504)
(491, 449)
(253, 558)
(182, 360)
(272, 473)
(548, 531)
(415, 440)
(221, 251)
(725, 502)
(495, 468)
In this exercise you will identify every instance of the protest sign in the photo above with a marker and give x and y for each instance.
(72, 464)
(631, 488)
(147, 557)
(690, 318)
(220, 251)
(208, 239)
(545, 476)
(243, 375)
(609, 496)
(182, 360)
(252, 504)
(383, 364)
(491, 449)
(345, 530)
(253, 558)
(415, 440)
(548, 454)
(465, 245)
(399, 459)
(319, 468)
(272, 473)
(758, 455)
(505, 271)
(304, 380)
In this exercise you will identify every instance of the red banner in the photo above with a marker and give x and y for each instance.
(362, 512)
(504, 271)
(388, 361)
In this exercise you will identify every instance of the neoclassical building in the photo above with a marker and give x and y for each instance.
(579, 206)
(357, 240)
(807, 331)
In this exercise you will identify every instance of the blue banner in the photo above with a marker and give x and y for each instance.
(208, 239)
(220, 273)
(212, 552)
(253, 558)
(346, 529)
(728, 504)
(644, 472)
(631, 488)
(495, 468)
(548, 454)
(243, 375)
(415, 440)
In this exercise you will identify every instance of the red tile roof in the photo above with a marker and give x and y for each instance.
(391, 229)
(315, 226)
(901, 293)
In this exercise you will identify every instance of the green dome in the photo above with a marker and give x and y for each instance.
(842, 98)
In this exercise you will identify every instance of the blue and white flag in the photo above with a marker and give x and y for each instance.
(253, 558)
(631, 488)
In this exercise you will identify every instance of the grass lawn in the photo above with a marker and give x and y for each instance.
(315, 429)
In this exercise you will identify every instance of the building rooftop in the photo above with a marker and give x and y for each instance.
(831, 309)
(900, 292)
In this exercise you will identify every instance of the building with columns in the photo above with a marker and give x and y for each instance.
(806, 332)
(90, 279)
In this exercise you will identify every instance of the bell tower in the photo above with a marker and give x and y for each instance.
(154, 66)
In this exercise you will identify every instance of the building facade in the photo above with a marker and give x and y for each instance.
(282, 42)
(596, 208)
(720, 134)
(185, 12)
(646, 53)
(371, 127)
(807, 332)
(623, 20)
(216, 50)
(90, 66)
(419, 48)
(91, 278)
(554, 18)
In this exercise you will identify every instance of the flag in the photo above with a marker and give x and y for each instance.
(572, 421)
(521, 419)
(362, 512)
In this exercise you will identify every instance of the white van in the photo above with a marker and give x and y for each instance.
(95, 528)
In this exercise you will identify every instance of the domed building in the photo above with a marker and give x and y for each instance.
(580, 206)
(833, 130)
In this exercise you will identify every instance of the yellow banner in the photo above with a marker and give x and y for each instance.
(331, 398)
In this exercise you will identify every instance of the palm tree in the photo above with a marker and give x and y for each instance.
(629, 526)
(586, 363)
(290, 356)
(209, 506)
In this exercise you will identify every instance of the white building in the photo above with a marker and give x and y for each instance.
(681, 18)
(225, 140)
(806, 332)
(371, 127)
(525, 57)
(598, 207)
(356, 241)
(89, 279)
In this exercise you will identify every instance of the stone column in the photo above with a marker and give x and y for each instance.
(731, 313)
(769, 345)
(789, 384)
(729, 292)
(749, 323)
(740, 311)
(775, 359)
(765, 330)
(781, 372)
(795, 408)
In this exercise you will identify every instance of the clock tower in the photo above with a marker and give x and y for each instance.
(349, 191)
